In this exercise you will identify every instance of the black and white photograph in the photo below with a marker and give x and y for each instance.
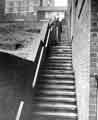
(48, 60)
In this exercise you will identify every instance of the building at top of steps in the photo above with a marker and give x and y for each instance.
(20, 9)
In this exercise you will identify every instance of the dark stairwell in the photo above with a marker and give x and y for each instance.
(55, 92)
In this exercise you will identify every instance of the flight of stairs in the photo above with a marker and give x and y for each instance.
(55, 95)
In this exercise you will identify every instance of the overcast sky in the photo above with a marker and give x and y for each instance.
(60, 2)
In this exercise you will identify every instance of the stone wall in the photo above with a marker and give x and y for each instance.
(80, 35)
(94, 59)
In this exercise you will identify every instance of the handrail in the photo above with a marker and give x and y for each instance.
(38, 66)
(41, 54)
(47, 38)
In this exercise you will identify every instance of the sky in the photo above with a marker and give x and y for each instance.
(60, 2)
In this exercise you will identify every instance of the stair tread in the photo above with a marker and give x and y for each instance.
(61, 48)
(66, 65)
(58, 114)
(57, 105)
(59, 57)
(58, 75)
(57, 92)
(56, 81)
(57, 86)
(57, 98)
(59, 61)
(53, 95)
(57, 71)
(66, 51)
(55, 68)
(60, 53)
(57, 64)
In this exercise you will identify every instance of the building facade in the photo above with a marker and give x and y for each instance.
(15, 8)
(18, 9)
(21, 6)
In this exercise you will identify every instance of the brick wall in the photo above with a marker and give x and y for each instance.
(94, 59)
(80, 35)
(84, 32)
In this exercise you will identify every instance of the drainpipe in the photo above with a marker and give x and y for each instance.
(96, 77)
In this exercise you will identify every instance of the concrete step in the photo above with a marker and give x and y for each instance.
(57, 88)
(62, 46)
(57, 99)
(58, 92)
(58, 76)
(67, 116)
(58, 68)
(58, 64)
(60, 57)
(56, 82)
(56, 71)
(59, 61)
(57, 105)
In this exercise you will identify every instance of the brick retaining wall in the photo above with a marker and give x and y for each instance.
(93, 59)
(80, 35)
